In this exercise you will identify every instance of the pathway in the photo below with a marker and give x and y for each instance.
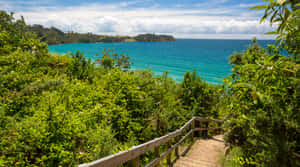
(204, 153)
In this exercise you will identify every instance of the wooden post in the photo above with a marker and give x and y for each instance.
(134, 162)
(192, 128)
(169, 156)
(177, 148)
(200, 126)
(157, 154)
(200, 132)
(205, 132)
(213, 132)
(196, 126)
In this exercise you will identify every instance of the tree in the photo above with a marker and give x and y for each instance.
(14, 36)
(198, 96)
(80, 67)
(262, 102)
(286, 15)
(111, 60)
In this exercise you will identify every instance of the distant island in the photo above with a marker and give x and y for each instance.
(55, 36)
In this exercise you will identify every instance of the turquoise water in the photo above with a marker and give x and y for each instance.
(208, 57)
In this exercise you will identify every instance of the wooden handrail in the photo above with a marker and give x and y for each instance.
(134, 153)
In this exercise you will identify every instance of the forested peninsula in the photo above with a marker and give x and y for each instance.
(55, 36)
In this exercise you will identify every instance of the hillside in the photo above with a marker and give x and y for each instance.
(55, 36)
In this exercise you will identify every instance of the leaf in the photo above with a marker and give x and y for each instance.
(277, 20)
(259, 7)
(274, 15)
(287, 13)
(296, 79)
(272, 33)
(281, 2)
(289, 70)
(265, 16)
(244, 85)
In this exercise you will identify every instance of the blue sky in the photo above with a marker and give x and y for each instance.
(181, 18)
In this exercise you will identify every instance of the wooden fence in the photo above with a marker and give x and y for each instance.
(132, 156)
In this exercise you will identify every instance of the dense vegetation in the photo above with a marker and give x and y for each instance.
(55, 36)
(66, 110)
(262, 100)
(62, 110)
(153, 37)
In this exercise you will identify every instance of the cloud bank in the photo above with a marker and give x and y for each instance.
(121, 19)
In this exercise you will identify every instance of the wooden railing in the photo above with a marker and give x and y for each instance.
(132, 156)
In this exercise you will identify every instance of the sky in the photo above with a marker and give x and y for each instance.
(217, 19)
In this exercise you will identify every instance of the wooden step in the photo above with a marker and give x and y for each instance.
(203, 153)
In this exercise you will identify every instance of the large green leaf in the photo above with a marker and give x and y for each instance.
(259, 7)
(272, 33)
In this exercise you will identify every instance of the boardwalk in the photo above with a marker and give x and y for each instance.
(204, 153)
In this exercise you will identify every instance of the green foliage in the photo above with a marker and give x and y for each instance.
(198, 96)
(153, 37)
(261, 102)
(13, 36)
(285, 14)
(81, 68)
(111, 60)
(64, 110)
(262, 109)
(234, 158)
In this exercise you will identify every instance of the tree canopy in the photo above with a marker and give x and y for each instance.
(261, 101)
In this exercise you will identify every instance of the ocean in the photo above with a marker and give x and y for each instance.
(209, 57)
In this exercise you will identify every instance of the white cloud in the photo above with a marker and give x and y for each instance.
(210, 3)
(248, 5)
(114, 19)
(130, 3)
